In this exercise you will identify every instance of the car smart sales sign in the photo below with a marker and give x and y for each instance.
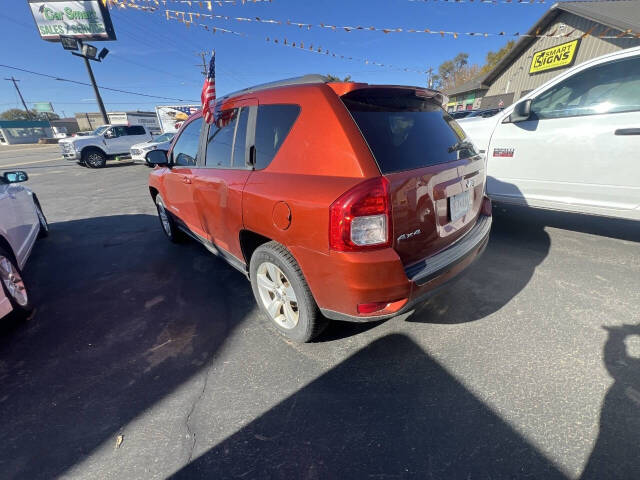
(560, 56)
(82, 19)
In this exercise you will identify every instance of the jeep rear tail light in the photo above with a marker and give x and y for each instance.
(361, 218)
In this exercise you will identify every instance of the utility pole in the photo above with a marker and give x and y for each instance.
(205, 63)
(430, 77)
(15, 84)
(205, 69)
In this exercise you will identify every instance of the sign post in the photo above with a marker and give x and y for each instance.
(105, 119)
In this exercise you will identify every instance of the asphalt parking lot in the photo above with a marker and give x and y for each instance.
(148, 360)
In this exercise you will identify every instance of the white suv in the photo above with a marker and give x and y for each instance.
(107, 141)
(571, 144)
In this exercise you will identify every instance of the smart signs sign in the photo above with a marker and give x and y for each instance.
(560, 56)
(81, 19)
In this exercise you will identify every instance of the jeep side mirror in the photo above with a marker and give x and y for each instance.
(157, 157)
(521, 112)
(15, 177)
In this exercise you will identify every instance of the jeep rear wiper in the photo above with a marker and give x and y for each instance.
(461, 146)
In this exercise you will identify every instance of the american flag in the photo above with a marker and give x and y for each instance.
(208, 96)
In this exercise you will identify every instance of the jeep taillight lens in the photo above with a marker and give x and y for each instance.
(361, 218)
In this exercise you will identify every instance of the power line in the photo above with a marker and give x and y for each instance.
(88, 85)
(147, 67)
(176, 37)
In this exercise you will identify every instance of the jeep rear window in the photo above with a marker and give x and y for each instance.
(405, 131)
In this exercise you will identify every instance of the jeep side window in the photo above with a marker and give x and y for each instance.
(185, 150)
(220, 141)
(611, 87)
(272, 127)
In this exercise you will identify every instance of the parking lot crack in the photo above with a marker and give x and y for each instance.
(191, 434)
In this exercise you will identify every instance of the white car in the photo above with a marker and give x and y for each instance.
(139, 150)
(107, 141)
(21, 223)
(572, 144)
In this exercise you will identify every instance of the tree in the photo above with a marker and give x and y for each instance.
(14, 114)
(333, 78)
(19, 114)
(493, 58)
(46, 116)
(455, 72)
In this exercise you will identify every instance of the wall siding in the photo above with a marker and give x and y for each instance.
(516, 79)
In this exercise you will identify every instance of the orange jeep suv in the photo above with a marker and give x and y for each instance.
(338, 200)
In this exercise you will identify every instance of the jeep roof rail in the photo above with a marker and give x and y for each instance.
(303, 80)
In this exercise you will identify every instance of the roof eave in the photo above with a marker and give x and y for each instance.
(523, 43)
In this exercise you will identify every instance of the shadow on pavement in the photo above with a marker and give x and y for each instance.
(595, 225)
(388, 411)
(518, 244)
(124, 318)
(616, 453)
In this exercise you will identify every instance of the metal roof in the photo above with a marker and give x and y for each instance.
(619, 14)
(473, 84)
(23, 123)
(622, 15)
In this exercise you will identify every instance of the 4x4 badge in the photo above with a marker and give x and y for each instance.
(407, 236)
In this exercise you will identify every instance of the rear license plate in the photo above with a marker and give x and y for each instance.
(459, 205)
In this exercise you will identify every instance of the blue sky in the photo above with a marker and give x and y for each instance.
(158, 57)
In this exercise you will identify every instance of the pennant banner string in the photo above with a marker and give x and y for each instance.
(190, 19)
(490, 2)
(347, 28)
(153, 5)
(428, 31)
(292, 44)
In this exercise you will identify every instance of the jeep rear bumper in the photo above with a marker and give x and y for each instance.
(419, 281)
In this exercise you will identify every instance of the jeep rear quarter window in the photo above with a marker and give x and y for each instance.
(405, 131)
(272, 126)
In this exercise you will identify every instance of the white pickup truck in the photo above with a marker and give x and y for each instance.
(106, 142)
(571, 144)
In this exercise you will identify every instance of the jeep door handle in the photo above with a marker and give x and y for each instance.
(627, 131)
(186, 180)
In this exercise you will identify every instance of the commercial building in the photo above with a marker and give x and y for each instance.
(92, 120)
(569, 33)
(65, 125)
(23, 131)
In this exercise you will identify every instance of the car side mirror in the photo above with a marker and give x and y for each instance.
(521, 112)
(157, 157)
(15, 177)
(109, 135)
